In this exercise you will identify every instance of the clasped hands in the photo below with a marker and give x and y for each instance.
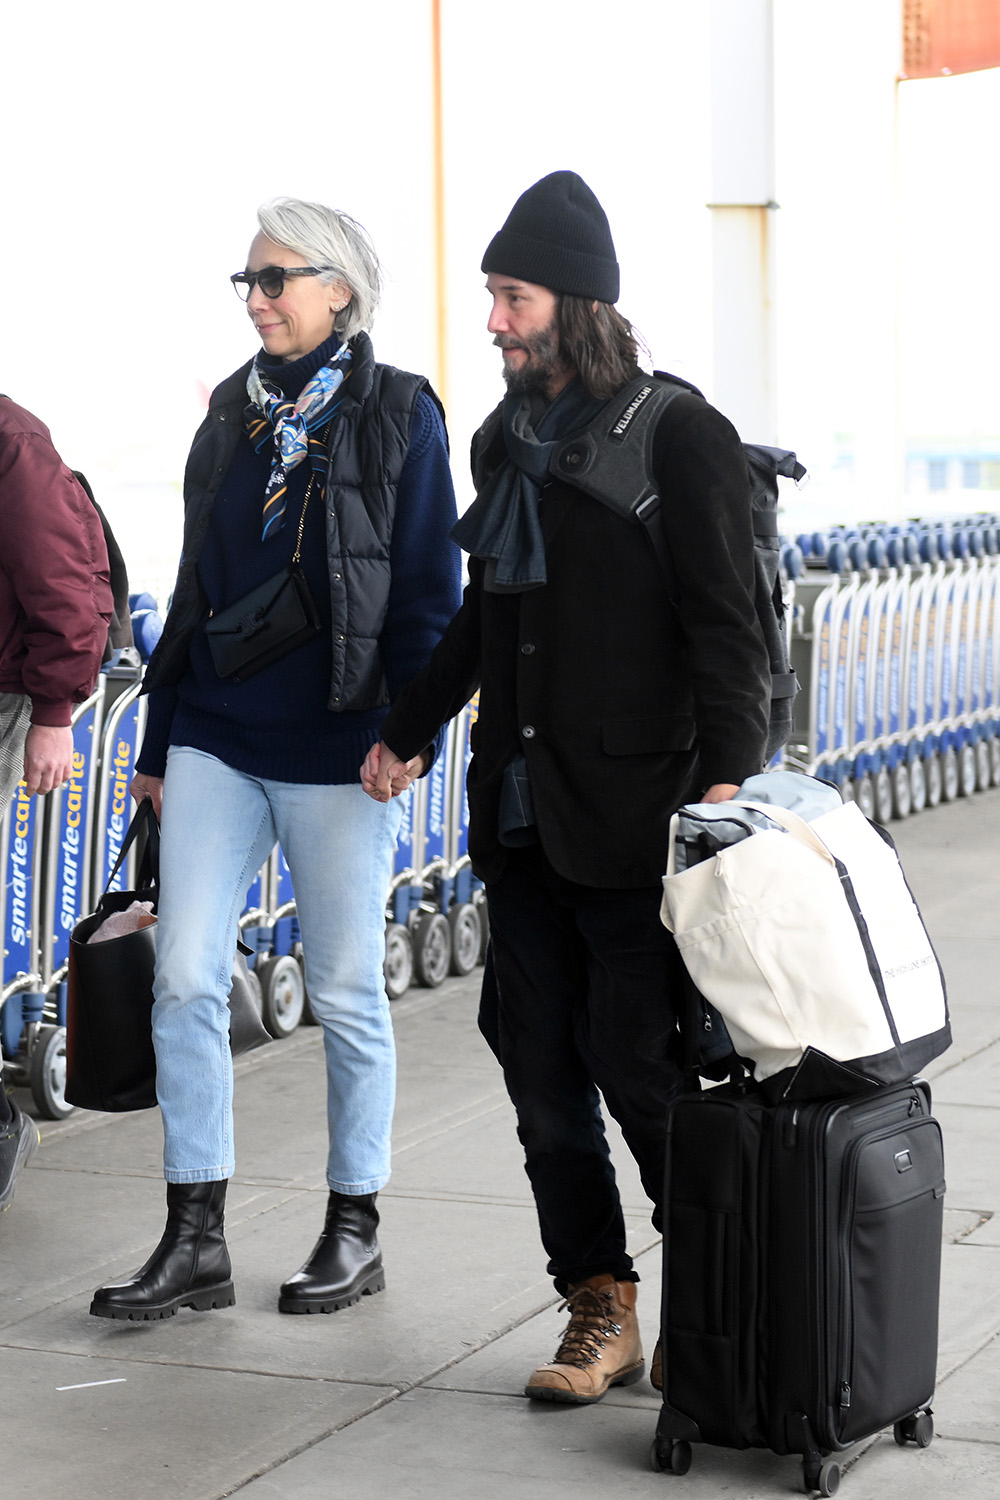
(384, 775)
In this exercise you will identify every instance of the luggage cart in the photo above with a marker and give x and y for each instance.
(989, 619)
(123, 725)
(428, 923)
(901, 555)
(280, 969)
(978, 728)
(405, 894)
(467, 914)
(923, 748)
(26, 1060)
(861, 759)
(811, 655)
(941, 706)
(878, 693)
(67, 818)
(840, 749)
(961, 727)
(255, 926)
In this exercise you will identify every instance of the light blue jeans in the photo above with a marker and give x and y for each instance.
(219, 825)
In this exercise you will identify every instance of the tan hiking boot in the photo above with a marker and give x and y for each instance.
(599, 1349)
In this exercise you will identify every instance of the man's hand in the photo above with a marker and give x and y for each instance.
(723, 791)
(384, 775)
(151, 787)
(48, 757)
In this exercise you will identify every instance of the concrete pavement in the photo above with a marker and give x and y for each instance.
(417, 1392)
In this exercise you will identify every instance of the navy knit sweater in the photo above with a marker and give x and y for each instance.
(277, 724)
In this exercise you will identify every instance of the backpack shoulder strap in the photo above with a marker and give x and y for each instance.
(120, 628)
(610, 458)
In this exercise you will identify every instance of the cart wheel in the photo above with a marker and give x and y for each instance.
(884, 800)
(995, 759)
(918, 785)
(829, 1478)
(675, 1457)
(902, 801)
(466, 938)
(934, 779)
(47, 1073)
(398, 965)
(902, 1431)
(283, 994)
(864, 795)
(983, 773)
(308, 1014)
(949, 775)
(967, 771)
(431, 949)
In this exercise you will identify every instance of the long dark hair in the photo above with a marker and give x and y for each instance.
(599, 343)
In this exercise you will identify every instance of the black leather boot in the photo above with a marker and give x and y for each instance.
(190, 1266)
(346, 1263)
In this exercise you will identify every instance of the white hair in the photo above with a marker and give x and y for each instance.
(328, 237)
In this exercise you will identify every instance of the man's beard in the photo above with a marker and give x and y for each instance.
(533, 375)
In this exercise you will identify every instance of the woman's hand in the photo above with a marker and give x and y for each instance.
(384, 775)
(151, 787)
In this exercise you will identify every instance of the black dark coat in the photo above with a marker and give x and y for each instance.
(625, 703)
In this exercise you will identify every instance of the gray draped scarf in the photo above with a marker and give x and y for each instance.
(502, 525)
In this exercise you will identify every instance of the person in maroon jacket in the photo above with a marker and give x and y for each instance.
(55, 608)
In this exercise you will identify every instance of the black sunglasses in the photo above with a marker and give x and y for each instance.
(271, 279)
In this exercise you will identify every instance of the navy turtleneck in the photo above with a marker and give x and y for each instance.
(277, 725)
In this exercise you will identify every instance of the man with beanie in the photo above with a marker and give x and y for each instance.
(55, 606)
(608, 697)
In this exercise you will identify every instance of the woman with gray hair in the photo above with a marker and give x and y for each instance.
(316, 576)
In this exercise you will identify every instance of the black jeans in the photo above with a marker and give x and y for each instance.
(578, 997)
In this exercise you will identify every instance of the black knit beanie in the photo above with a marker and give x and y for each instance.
(557, 236)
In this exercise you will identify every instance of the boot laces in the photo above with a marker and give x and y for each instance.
(590, 1326)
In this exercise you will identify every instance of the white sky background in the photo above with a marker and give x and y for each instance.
(139, 141)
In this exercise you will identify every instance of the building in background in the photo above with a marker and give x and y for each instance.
(865, 330)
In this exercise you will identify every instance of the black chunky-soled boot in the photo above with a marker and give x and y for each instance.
(346, 1263)
(190, 1267)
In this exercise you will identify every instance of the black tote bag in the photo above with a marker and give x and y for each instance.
(110, 1063)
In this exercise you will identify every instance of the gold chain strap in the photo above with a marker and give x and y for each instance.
(324, 438)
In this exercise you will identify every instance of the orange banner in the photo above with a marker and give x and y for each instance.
(950, 36)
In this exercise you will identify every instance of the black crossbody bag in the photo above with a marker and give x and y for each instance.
(269, 621)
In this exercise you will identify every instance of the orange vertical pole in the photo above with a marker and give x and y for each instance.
(440, 259)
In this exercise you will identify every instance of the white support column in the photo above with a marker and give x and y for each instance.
(743, 207)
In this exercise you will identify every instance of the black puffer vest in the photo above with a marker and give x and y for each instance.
(369, 441)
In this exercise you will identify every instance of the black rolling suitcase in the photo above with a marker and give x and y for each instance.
(802, 1253)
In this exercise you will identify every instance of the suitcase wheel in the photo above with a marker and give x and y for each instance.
(824, 1477)
(668, 1457)
(917, 1429)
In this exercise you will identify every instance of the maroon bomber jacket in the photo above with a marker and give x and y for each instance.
(55, 588)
